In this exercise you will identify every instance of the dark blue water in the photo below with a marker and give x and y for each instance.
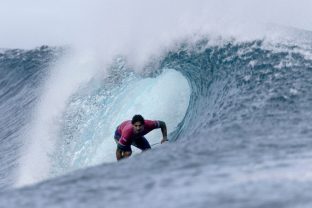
(21, 75)
(244, 139)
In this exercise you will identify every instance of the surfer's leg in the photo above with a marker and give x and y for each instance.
(121, 151)
(120, 154)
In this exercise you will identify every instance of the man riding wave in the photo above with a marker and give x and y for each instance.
(132, 133)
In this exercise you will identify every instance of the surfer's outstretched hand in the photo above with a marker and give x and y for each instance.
(164, 140)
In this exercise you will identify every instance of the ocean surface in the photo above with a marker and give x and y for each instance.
(238, 112)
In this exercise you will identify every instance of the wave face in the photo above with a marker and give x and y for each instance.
(239, 115)
(253, 91)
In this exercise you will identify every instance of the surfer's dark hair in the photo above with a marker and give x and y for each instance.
(137, 118)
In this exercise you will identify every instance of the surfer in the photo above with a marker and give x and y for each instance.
(132, 133)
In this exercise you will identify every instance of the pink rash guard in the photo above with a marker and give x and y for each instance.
(125, 129)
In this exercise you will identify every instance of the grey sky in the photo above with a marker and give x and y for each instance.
(30, 23)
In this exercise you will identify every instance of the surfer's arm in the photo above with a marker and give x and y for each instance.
(163, 131)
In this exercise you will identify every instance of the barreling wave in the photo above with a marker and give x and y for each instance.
(230, 95)
(251, 90)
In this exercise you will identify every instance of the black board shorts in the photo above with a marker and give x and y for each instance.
(139, 142)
